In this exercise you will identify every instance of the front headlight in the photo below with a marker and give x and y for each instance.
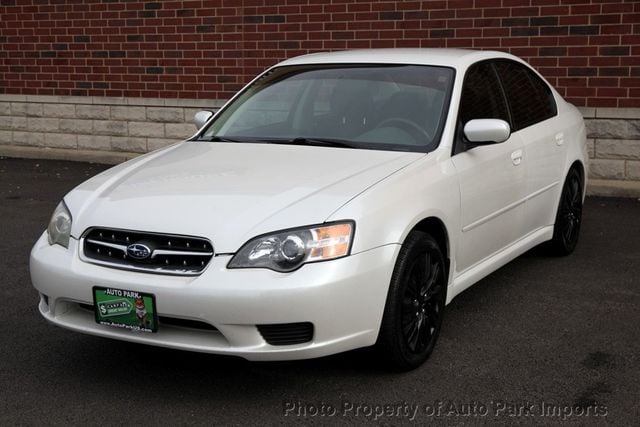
(289, 249)
(59, 229)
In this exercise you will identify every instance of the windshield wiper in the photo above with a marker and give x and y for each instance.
(218, 139)
(319, 142)
(322, 142)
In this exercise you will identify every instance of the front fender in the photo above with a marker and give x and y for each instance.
(387, 212)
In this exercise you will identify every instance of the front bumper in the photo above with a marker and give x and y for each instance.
(343, 299)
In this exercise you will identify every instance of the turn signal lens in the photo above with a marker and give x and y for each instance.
(330, 242)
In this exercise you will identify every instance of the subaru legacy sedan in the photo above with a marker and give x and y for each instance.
(340, 200)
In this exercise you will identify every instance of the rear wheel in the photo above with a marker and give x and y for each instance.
(569, 216)
(415, 304)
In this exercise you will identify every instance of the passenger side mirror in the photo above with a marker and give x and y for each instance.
(487, 131)
(201, 118)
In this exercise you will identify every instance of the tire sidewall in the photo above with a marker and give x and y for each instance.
(391, 335)
(561, 245)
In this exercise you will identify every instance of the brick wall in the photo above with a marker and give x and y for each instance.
(206, 49)
(108, 80)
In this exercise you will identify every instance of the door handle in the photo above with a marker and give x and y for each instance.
(559, 138)
(516, 157)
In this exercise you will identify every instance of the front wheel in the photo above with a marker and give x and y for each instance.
(415, 303)
(569, 216)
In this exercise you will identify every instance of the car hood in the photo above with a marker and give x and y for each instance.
(228, 192)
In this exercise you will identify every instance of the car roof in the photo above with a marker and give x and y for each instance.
(457, 58)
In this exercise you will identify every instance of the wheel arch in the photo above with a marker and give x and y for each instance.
(578, 165)
(438, 230)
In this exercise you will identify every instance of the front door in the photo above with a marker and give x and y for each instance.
(492, 178)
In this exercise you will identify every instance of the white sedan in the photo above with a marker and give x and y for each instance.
(340, 200)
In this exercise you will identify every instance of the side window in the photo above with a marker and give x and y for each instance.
(481, 95)
(530, 99)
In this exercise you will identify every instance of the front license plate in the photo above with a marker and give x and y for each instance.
(125, 309)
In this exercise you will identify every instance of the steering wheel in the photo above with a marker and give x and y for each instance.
(412, 128)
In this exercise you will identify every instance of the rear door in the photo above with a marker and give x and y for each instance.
(491, 177)
(535, 121)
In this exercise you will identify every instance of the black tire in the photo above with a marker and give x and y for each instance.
(415, 304)
(566, 230)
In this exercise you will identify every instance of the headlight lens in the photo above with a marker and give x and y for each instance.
(59, 229)
(288, 250)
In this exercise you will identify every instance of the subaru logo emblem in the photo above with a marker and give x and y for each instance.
(138, 251)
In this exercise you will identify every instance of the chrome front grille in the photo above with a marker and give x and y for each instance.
(148, 252)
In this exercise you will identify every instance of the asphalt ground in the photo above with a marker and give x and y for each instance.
(542, 340)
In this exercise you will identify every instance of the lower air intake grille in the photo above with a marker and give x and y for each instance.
(287, 333)
(150, 252)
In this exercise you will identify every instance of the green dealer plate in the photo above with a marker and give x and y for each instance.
(125, 309)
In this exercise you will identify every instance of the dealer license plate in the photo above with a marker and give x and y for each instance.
(125, 309)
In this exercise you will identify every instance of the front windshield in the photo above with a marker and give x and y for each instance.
(384, 107)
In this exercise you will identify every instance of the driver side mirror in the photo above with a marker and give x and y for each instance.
(487, 131)
(201, 118)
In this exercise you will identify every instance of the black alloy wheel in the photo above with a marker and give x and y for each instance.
(415, 303)
(569, 216)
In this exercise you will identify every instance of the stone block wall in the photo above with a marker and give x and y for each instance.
(614, 143)
(94, 128)
(112, 130)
